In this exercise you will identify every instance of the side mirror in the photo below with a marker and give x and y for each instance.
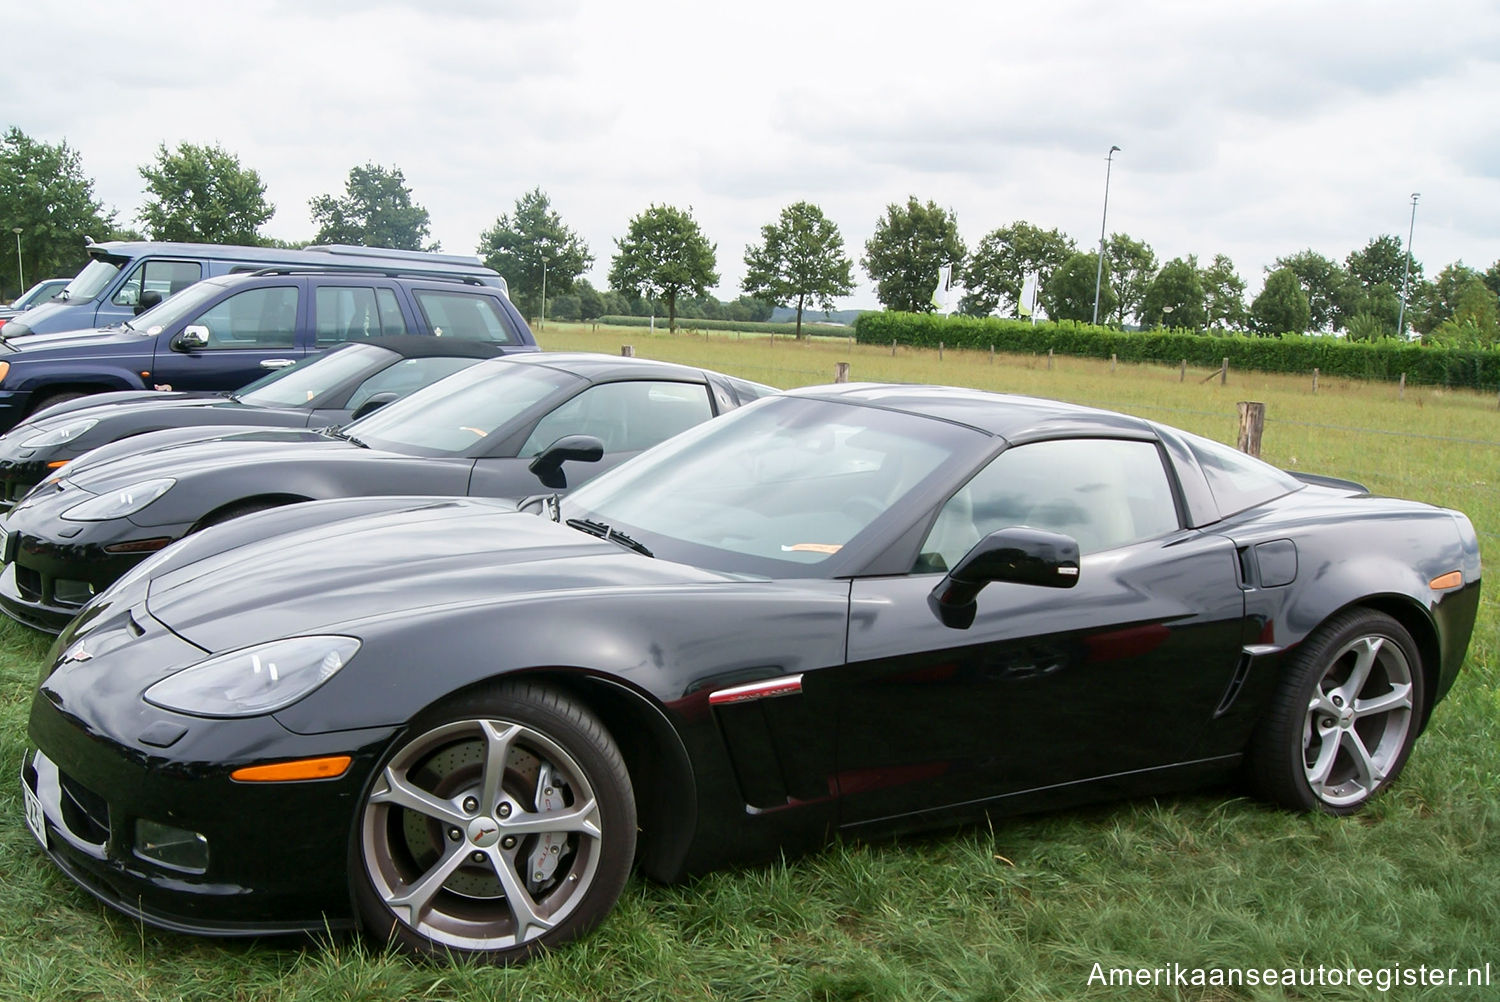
(194, 337)
(548, 464)
(148, 299)
(373, 404)
(1017, 555)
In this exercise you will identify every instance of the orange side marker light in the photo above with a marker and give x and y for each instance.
(299, 770)
(1453, 579)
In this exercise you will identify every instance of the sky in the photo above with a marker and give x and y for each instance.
(1253, 129)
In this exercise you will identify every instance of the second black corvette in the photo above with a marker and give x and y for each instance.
(503, 428)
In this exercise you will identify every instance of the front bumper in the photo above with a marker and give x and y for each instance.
(48, 576)
(276, 853)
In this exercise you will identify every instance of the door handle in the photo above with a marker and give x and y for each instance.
(276, 363)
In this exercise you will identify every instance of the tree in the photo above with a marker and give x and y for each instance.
(44, 191)
(800, 259)
(1474, 323)
(1376, 274)
(376, 211)
(534, 238)
(906, 254)
(1440, 296)
(1175, 297)
(996, 272)
(203, 194)
(1068, 293)
(1324, 284)
(1224, 294)
(664, 254)
(1281, 308)
(1133, 264)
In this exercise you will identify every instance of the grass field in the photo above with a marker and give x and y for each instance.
(1022, 910)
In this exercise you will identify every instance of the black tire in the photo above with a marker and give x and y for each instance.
(56, 398)
(1330, 740)
(237, 510)
(433, 870)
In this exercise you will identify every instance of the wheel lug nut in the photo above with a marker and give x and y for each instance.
(508, 842)
(470, 805)
(1338, 700)
(454, 834)
(477, 856)
(504, 810)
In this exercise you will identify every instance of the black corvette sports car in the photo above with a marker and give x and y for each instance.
(344, 383)
(503, 428)
(858, 608)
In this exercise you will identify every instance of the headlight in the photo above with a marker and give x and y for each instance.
(61, 435)
(255, 680)
(116, 504)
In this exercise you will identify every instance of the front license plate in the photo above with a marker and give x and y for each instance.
(35, 819)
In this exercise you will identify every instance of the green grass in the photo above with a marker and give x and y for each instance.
(1021, 910)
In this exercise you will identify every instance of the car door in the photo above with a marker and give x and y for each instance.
(250, 332)
(1048, 686)
(628, 416)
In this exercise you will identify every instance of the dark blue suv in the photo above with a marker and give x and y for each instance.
(225, 332)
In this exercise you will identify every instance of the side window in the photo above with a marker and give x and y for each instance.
(165, 277)
(255, 318)
(405, 376)
(626, 417)
(468, 315)
(353, 313)
(1102, 492)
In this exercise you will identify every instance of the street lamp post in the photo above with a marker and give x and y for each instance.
(1109, 163)
(544, 292)
(1406, 274)
(20, 269)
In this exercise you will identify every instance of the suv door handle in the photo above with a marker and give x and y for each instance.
(276, 363)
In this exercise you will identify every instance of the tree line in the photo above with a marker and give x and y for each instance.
(665, 262)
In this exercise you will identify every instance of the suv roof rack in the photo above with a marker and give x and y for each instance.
(436, 276)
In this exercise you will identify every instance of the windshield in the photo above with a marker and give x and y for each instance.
(775, 488)
(455, 414)
(314, 376)
(182, 306)
(91, 281)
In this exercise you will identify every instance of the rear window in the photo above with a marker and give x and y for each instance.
(467, 315)
(1238, 481)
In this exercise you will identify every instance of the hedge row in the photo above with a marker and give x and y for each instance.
(1293, 353)
(701, 324)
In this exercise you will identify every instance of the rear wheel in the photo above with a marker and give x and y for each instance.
(502, 824)
(1342, 725)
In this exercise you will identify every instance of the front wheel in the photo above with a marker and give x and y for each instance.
(501, 824)
(1341, 727)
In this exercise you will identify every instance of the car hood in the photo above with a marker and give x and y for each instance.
(102, 340)
(366, 569)
(121, 403)
(101, 471)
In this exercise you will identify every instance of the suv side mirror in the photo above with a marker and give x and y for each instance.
(194, 337)
(148, 299)
(373, 404)
(1018, 555)
(548, 464)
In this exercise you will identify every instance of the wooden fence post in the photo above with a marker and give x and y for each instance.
(1252, 423)
(1182, 372)
(1401, 393)
(627, 350)
(940, 351)
(893, 347)
(1224, 379)
(1112, 359)
(1315, 380)
(992, 354)
(1049, 359)
(841, 372)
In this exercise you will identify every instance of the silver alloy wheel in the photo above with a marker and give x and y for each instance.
(481, 834)
(1357, 721)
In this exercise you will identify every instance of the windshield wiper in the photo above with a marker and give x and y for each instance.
(607, 532)
(338, 433)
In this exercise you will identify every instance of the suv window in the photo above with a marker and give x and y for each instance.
(459, 314)
(255, 318)
(1102, 492)
(350, 313)
(165, 277)
(626, 417)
